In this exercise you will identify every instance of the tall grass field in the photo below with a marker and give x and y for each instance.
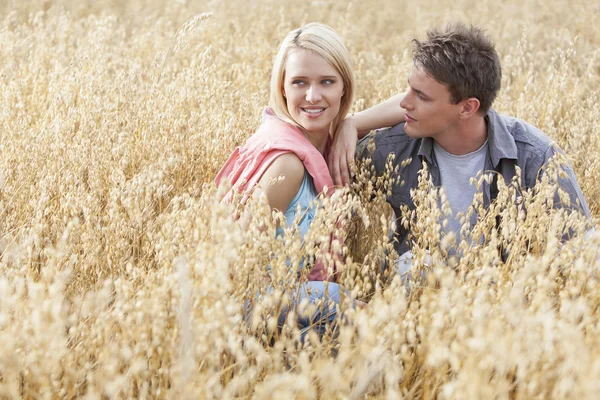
(123, 276)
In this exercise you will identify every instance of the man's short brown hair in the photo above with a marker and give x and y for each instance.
(464, 59)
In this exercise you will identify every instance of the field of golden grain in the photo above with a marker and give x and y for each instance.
(121, 275)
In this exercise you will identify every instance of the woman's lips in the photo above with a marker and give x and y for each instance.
(313, 112)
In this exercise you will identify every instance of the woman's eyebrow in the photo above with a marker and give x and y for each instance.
(320, 77)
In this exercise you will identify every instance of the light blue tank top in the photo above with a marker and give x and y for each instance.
(305, 199)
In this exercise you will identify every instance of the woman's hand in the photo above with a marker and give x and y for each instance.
(341, 158)
(356, 126)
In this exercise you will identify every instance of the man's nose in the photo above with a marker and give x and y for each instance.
(406, 102)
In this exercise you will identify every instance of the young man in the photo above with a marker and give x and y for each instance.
(451, 127)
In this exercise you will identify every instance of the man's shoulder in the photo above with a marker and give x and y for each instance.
(527, 137)
(391, 134)
(393, 139)
(382, 142)
(533, 146)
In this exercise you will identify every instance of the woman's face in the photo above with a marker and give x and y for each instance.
(313, 90)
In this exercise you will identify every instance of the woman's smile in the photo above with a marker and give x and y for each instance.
(313, 112)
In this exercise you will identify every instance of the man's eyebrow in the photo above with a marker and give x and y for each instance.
(417, 90)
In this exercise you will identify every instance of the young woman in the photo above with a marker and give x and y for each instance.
(312, 88)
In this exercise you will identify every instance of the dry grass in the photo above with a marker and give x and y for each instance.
(123, 277)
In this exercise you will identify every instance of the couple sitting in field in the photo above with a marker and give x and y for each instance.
(444, 120)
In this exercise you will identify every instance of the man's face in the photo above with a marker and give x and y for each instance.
(428, 106)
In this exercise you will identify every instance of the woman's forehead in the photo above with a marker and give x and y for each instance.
(302, 62)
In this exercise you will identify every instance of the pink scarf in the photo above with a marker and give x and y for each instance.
(274, 137)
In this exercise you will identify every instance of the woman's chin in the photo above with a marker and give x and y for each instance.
(315, 129)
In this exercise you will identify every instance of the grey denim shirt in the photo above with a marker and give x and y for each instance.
(511, 142)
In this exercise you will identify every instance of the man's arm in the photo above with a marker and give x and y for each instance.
(354, 127)
(567, 183)
(571, 187)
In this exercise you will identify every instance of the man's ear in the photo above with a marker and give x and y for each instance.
(469, 107)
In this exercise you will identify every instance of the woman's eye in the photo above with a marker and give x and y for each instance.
(297, 82)
(328, 82)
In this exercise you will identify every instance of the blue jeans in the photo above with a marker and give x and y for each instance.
(327, 297)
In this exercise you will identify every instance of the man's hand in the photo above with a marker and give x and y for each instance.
(341, 158)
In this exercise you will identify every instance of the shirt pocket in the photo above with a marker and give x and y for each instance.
(400, 196)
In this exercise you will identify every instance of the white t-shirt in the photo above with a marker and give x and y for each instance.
(456, 173)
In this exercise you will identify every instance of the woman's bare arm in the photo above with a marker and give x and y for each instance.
(280, 183)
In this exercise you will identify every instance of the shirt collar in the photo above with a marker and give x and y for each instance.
(501, 143)
(426, 150)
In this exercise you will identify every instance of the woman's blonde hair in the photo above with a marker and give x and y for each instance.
(325, 42)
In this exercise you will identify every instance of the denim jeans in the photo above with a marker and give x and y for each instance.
(326, 295)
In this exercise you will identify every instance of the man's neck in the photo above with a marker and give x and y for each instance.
(464, 138)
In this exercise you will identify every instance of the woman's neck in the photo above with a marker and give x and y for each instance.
(317, 139)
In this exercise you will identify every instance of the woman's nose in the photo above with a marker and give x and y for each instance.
(313, 94)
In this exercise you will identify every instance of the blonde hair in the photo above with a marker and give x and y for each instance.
(325, 42)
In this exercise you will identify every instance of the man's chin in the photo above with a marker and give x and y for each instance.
(411, 133)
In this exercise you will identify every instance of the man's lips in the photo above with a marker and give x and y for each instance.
(408, 118)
